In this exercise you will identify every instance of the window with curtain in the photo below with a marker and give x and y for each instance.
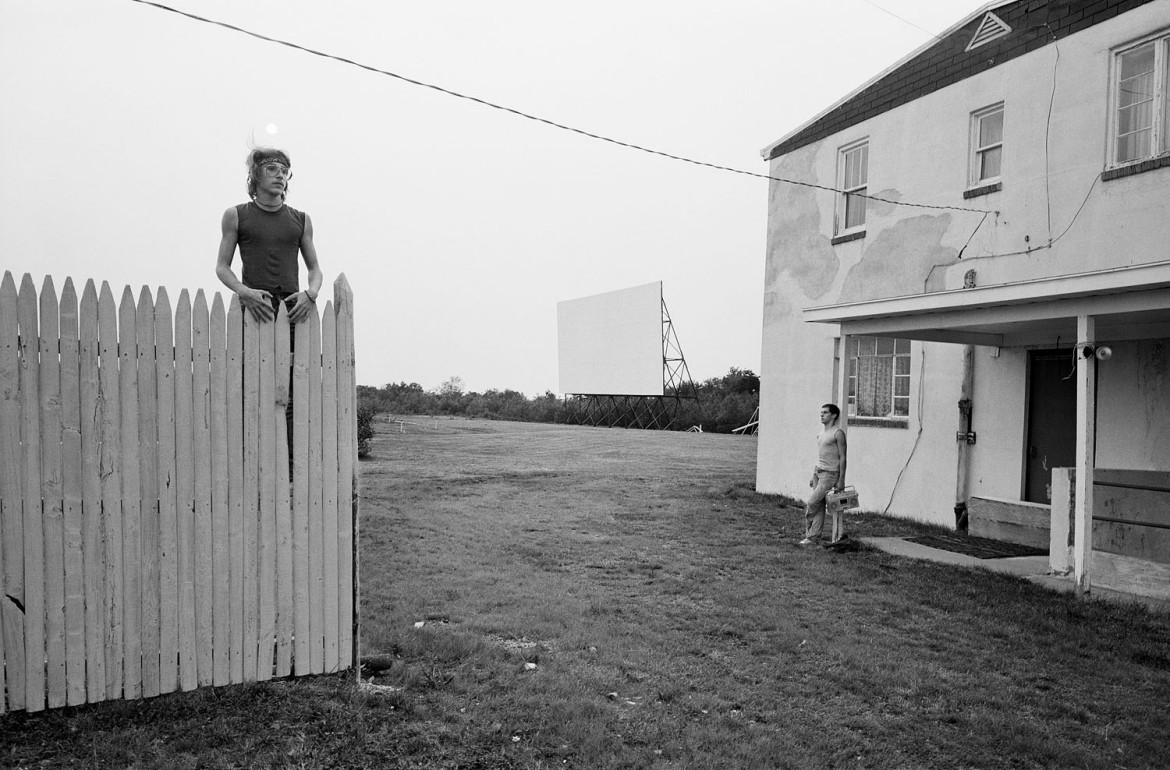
(986, 145)
(1139, 129)
(879, 377)
(853, 180)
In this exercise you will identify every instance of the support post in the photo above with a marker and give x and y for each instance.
(1086, 441)
(842, 421)
(966, 393)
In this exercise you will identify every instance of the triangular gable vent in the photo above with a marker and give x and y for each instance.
(991, 28)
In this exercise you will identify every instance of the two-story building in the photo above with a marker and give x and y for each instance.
(970, 254)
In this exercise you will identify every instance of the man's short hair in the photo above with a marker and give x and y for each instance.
(257, 158)
(833, 409)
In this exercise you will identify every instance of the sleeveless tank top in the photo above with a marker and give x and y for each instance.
(270, 242)
(828, 456)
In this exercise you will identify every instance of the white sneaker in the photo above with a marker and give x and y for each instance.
(807, 541)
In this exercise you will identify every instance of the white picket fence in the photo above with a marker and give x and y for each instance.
(151, 538)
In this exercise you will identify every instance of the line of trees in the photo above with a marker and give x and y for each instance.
(723, 404)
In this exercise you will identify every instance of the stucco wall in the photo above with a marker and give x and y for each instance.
(1133, 407)
(919, 153)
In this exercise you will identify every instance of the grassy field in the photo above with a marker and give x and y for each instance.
(551, 597)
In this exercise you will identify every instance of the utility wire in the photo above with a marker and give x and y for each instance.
(1047, 134)
(899, 18)
(545, 121)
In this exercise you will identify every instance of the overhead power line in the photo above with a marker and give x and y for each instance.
(901, 19)
(538, 119)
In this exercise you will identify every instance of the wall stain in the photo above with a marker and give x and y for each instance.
(796, 246)
(1153, 385)
(875, 208)
(776, 307)
(899, 259)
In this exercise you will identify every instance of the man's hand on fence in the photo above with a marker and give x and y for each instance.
(302, 309)
(258, 303)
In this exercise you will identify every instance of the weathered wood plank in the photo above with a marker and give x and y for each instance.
(34, 537)
(220, 527)
(167, 502)
(1137, 504)
(1131, 575)
(52, 495)
(315, 513)
(1010, 521)
(346, 468)
(283, 533)
(185, 494)
(90, 397)
(148, 486)
(131, 499)
(111, 490)
(251, 494)
(1123, 477)
(72, 480)
(300, 494)
(201, 423)
(329, 485)
(11, 500)
(235, 452)
(267, 525)
(1131, 514)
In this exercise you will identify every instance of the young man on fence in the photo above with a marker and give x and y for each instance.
(269, 235)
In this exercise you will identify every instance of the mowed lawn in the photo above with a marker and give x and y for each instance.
(549, 596)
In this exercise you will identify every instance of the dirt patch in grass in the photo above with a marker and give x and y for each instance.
(548, 596)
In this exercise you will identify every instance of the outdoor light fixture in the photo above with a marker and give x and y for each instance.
(1102, 353)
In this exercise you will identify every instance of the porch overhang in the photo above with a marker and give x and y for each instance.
(1124, 303)
(1130, 302)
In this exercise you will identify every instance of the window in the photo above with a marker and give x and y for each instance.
(986, 145)
(879, 377)
(853, 173)
(1139, 128)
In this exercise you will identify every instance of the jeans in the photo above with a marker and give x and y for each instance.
(814, 510)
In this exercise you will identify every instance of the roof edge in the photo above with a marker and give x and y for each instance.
(766, 152)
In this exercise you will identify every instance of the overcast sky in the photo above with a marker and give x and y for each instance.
(124, 128)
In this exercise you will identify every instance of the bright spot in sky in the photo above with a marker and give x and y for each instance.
(271, 129)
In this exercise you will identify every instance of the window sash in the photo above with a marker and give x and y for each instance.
(1140, 109)
(986, 144)
(853, 183)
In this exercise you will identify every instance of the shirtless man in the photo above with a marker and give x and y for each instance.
(829, 473)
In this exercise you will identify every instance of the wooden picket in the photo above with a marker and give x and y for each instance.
(152, 538)
(11, 505)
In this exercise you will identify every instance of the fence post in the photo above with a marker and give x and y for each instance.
(11, 504)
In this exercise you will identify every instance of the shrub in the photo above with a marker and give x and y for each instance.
(365, 428)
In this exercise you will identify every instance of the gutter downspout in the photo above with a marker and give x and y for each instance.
(965, 437)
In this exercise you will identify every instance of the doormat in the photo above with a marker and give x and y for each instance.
(979, 547)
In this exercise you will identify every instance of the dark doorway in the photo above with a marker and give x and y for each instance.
(1052, 420)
